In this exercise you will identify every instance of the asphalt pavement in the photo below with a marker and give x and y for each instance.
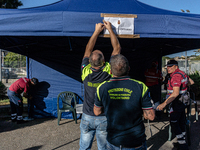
(45, 134)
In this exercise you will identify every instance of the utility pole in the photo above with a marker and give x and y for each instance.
(1, 64)
(186, 64)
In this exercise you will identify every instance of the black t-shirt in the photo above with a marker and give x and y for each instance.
(92, 79)
(123, 100)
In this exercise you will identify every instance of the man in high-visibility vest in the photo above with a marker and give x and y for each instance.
(95, 71)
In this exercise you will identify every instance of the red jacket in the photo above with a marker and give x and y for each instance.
(153, 76)
(21, 85)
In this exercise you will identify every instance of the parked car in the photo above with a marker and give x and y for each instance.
(6, 74)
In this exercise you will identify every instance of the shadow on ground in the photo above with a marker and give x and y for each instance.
(7, 125)
(160, 130)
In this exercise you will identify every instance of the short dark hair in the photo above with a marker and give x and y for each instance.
(119, 65)
(34, 80)
(98, 61)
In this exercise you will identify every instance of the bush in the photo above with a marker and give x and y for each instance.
(3, 91)
(196, 86)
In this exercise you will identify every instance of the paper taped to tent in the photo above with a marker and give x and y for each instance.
(54, 37)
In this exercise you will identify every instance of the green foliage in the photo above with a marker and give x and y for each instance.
(3, 90)
(196, 58)
(10, 4)
(14, 60)
(163, 60)
(196, 86)
(197, 52)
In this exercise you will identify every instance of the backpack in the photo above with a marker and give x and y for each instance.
(185, 98)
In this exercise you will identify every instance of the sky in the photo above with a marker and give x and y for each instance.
(172, 5)
(176, 5)
(35, 3)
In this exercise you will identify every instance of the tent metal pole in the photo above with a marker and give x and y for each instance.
(186, 62)
(27, 66)
(70, 44)
(1, 65)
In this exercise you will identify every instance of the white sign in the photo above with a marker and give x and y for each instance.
(121, 26)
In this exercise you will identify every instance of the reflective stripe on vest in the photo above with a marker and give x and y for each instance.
(152, 77)
(180, 92)
(24, 79)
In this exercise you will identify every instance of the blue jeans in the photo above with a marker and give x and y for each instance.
(16, 103)
(112, 147)
(89, 126)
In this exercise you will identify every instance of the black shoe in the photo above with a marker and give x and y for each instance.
(158, 115)
(183, 147)
(176, 144)
(20, 121)
(14, 120)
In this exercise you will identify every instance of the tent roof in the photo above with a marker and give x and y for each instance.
(106, 6)
(77, 18)
(59, 32)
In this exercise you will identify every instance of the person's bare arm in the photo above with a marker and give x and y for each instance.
(98, 110)
(149, 114)
(91, 43)
(114, 41)
(191, 82)
(170, 98)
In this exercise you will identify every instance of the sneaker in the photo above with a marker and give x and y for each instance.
(28, 119)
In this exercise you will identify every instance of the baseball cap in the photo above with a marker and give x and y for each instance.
(171, 63)
(34, 80)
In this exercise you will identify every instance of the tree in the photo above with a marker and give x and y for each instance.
(14, 60)
(196, 86)
(3, 91)
(196, 58)
(197, 52)
(164, 58)
(10, 3)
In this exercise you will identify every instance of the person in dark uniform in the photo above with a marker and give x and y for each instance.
(14, 92)
(124, 101)
(167, 77)
(95, 71)
(7, 75)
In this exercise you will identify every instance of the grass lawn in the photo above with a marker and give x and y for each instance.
(7, 101)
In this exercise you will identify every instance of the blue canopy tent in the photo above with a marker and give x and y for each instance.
(54, 37)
